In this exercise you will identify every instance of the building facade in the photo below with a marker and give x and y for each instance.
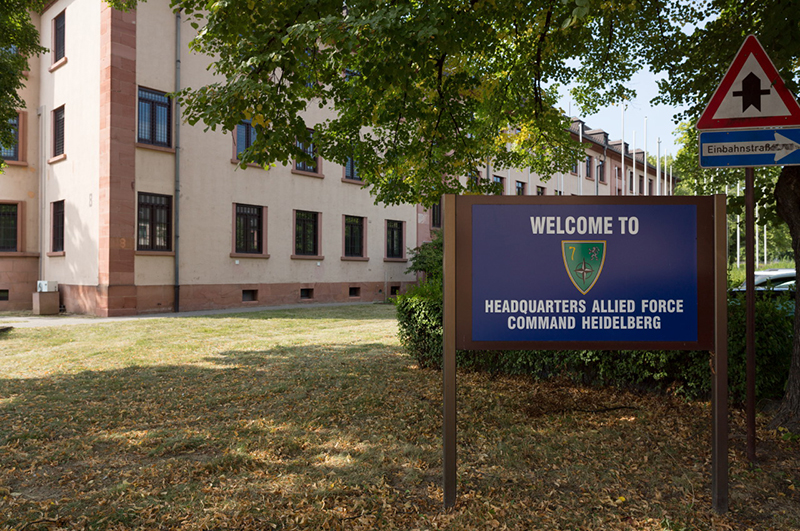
(131, 211)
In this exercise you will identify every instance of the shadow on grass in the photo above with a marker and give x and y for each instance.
(347, 436)
(294, 431)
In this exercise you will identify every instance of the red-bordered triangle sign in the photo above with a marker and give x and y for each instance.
(751, 95)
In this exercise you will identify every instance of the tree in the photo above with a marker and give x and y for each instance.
(695, 63)
(422, 92)
(18, 41)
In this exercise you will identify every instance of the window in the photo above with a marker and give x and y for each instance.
(245, 136)
(394, 291)
(394, 239)
(3, 294)
(630, 181)
(155, 121)
(350, 171)
(641, 184)
(249, 229)
(540, 190)
(306, 233)
(520, 188)
(57, 239)
(354, 292)
(306, 293)
(436, 215)
(59, 31)
(8, 227)
(58, 131)
(499, 180)
(310, 150)
(12, 152)
(353, 236)
(649, 186)
(588, 167)
(601, 171)
(155, 222)
(574, 168)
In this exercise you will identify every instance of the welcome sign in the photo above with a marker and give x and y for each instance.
(549, 273)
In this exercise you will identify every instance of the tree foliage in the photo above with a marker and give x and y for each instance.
(420, 92)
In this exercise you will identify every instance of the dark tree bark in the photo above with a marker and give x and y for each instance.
(787, 197)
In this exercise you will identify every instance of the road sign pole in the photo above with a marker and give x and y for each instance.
(750, 407)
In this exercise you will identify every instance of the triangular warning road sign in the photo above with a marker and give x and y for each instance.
(751, 95)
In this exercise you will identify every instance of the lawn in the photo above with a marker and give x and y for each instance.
(316, 419)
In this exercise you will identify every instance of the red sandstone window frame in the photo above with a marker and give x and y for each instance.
(144, 201)
(58, 128)
(57, 227)
(300, 223)
(22, 143)
(351, 254)
(236, 252)
(58, 50)
(392, 228)
(19, 233)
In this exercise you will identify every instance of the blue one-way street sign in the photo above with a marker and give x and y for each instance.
(762, 147)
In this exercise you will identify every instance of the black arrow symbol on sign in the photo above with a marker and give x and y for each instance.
(751, 92)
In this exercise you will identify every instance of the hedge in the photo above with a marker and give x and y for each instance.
(420, 311)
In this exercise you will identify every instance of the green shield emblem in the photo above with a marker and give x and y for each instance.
(584, 262)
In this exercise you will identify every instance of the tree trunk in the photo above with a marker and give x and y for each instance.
(787, 197)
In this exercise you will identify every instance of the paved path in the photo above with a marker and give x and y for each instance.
(30, 321)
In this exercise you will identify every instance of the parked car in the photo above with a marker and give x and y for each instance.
(782, 279)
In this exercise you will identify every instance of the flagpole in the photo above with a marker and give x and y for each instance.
(635, 182)
(622, 145)
(658, 168)
(582, 161)
(646, 174)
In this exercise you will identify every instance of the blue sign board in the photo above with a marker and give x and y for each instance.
(584, 272)
(762, 147)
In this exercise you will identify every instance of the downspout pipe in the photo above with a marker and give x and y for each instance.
(177, 197)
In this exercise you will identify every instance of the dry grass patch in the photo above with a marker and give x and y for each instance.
(315, 419)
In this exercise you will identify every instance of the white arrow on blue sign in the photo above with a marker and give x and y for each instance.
(758, 147)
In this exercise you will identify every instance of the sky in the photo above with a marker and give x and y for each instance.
(659, 118)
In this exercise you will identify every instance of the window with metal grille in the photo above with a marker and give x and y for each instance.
(58, 226)
(436, 215)
(310, 150)
(306, 232)
(155, 222)
(59, 32)
(8, 228)
(353, 236)
(155, 121)
(245, 136)
(350, 171)
(249, 229)
(12, 152)
(588, 167)
(520, 188)
(58, 131)
(394, 239)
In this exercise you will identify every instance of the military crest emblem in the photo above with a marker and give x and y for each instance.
(584, 261)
